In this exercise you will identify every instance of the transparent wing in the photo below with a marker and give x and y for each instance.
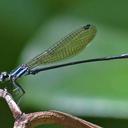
(66, 47)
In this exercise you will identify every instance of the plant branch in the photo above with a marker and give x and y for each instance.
(32, 120)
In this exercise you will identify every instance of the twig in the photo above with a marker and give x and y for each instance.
(11, 103)
(32, 120)
(59, 118)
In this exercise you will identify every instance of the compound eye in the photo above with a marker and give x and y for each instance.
(3, 76)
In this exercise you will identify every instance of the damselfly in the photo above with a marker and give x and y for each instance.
(70, 45)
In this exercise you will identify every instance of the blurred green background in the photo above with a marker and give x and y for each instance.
(97, 92)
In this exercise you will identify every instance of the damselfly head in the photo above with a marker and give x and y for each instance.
(4, 76)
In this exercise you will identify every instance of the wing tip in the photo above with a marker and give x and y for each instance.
(87, 26)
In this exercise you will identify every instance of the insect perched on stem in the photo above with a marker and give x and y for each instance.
(68, 46)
